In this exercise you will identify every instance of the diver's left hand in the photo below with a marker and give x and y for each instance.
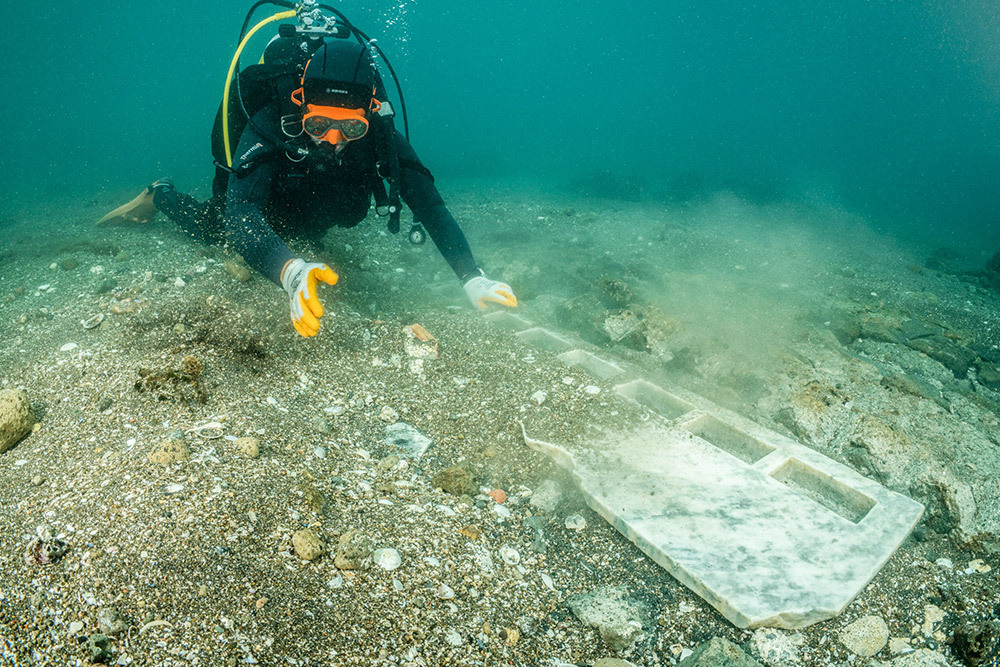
(482, 290)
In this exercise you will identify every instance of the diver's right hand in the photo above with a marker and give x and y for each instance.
(299, 279)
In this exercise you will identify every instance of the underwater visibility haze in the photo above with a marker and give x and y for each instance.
(713, 237)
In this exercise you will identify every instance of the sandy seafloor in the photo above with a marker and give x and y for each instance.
(752, 305)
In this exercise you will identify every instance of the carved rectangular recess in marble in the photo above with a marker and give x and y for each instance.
(729, 439)
(508, 320)
(590, 363)
(653, 397)
(824, 489)
(544, 339)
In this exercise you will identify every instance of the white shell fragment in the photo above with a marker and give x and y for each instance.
(68, 347)
(209, 431)
(171, 489)
(510, 555)
(387, 559)
(93, 321)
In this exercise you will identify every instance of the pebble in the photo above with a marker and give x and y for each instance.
(179, 282)
(171, 489)
(37, 480)
(499, 495)
(249, 447)
(445, 592)
(68, 347)
(453, 638)
(575, 522)
(387, 559)
(539, 397)
(944, 563)
(75, 628)
(388, 415)
(591, 389)
(307, 544)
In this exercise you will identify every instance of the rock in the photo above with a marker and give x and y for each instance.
(957, 358)
(69, 264)
(248, 446)
(99, 647)
(988, 375)
(457, 480)
(106, 285)
(16, 417)
(169, 451)
(539, 397)
(354, 551)
(110, 621)
(388, 415)
(866, 636)
(913, 329)
(920, 658)
(618, 618)
(237, 270)
(407, 440)
(575, 522)
(718, 652)
(612, 662)
(976, 641)
(775, 648)
(912, 384)
(878, 327)
(307, 544)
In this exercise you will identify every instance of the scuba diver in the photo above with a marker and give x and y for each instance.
(316, 142)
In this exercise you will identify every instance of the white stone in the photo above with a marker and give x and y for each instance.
(575, 522)
(731, 508)
(539, 397)
(593, 390)
(179, 282)
(68, 347)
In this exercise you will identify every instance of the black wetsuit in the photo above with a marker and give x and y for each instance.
(306, 198)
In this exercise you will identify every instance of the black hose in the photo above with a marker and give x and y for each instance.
(365, 40)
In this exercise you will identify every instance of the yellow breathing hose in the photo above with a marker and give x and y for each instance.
(229, 78)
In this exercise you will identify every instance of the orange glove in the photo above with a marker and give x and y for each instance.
(299, 279)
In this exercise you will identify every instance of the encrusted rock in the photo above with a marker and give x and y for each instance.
(617, 618)
(16, 417)
(237, 270)
(354, 551)
(718, 652)
(307, 544)
(866, 636)
(169, 451)
(457, 480)
(248, 446)
(110, 621)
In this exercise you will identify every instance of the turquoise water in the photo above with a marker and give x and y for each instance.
(887, 108)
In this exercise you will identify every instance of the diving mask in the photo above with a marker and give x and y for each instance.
(333, 124)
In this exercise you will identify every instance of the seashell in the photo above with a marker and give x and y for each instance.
(93, 321)
(510, 555)
(387, 559)
(209, 431)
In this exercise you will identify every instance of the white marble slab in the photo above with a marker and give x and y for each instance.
(786, 541)
(768, 531)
